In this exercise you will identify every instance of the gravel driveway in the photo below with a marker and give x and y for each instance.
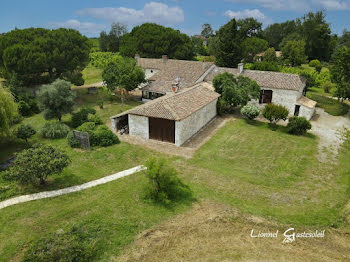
(328, 128)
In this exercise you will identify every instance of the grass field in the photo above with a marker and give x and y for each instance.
(92, 75)
(260, 172)
(330, 105)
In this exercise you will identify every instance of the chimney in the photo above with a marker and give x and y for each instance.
(165, 58)
(240, 68)
(137, 56)
(175, 85)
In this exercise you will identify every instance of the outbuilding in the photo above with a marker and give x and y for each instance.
(173, 118)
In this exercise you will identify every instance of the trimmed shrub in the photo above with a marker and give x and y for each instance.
(81, 116)
(298, 125)
(274, 113)
(314, 63)
(54, 129)
(95, 119)
(99, 135)
(25, 132)
(250, 112)
(103, 136)
(72, 142)
(164, 186)
(76, 245)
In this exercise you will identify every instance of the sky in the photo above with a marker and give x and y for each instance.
(90, 17)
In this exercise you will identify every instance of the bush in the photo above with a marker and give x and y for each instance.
(274, 113)
(99, 135)
(265, 66)
(76, 245)
(164, 186)
(100, 103)
(314, 63)
(54, 129)
(24, 108)
(221, 106)
(81, 116)
(25, 132)
(298, 125)
(72, 142)
(250, 111)
(318, 68)
(103, 136)
(327, 86)
(95, 119)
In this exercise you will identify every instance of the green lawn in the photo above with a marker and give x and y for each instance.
(330, 105)
(92, 75)
(259, 171)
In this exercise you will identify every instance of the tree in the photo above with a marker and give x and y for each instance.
(111, 42)
(275, 33)
(38, 55)
(252, 46)
(274, 113)
(153, 41)
(123, 74)
(236, 92)
(207, 31)
(25, 132)
(294, 53)
(291, 37)
(56, 99)
(8, 112)
(199, 47)
(249, 27)
(213, 43)
(229, 48)
(37, 163)
(265, 66)
(270, 55)
(340, 71)
(317, 34)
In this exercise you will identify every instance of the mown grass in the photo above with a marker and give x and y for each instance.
(330, 105)
(92, 75)
(259, 171)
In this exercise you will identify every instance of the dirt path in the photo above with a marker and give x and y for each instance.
(328, 128)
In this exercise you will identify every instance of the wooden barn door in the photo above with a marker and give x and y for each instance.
(162, 129)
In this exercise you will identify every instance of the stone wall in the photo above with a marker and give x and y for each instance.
(287, 98)
(306, 112)
(189, 126)
(138, 126)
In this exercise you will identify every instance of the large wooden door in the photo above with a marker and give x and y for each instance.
(162, 129)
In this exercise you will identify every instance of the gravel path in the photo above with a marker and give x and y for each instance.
(64, 191)
(328, 128)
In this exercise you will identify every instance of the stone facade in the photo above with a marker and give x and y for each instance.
(138, 126)
(306, 112)
(189, 126)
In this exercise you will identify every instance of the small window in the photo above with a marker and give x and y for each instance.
(265, 97)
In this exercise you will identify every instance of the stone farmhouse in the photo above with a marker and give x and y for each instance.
(180, 99)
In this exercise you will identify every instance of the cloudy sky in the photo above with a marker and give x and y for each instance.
(92, 16)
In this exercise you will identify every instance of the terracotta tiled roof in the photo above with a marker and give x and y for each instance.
(177, 106)
(187, 71)
(265, 79)
(304, 101)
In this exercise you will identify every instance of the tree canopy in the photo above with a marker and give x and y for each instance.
(38, 55)
(123, 73)
(110, 42)
(236, 91)
(340, 71)
(252, 46)
(8, 111)
(56, 99)
(207, 31)
(37, 163)
(294, 52)
(153, 41)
